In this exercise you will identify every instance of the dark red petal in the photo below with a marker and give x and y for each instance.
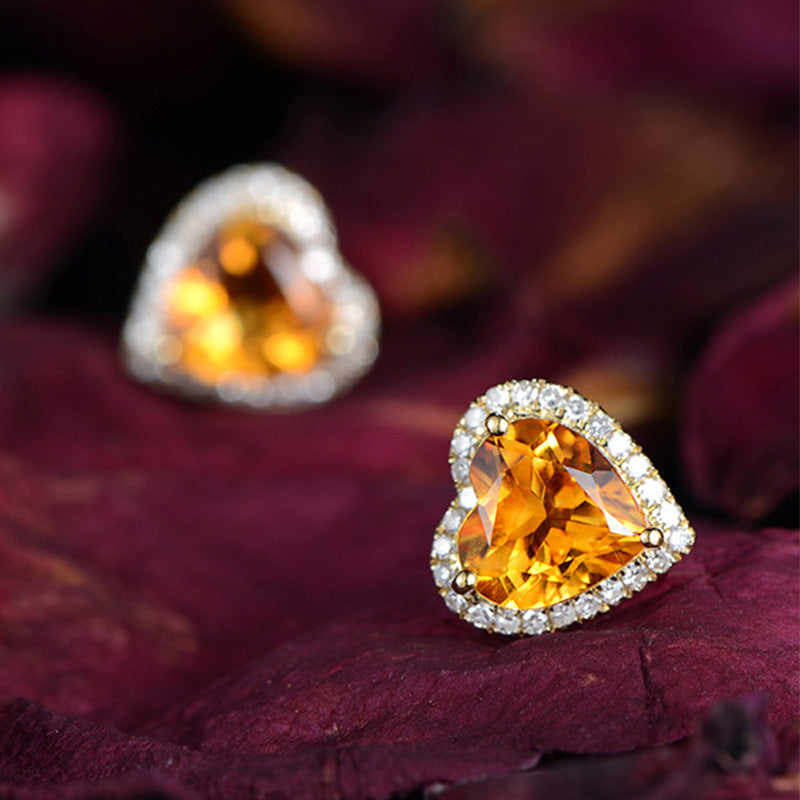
(57, 145)
(740, 426)
(401, 693)
(729, 47)
(565, 238)
(195, 538)
(660, 661)
(504, 174)
(733, 758)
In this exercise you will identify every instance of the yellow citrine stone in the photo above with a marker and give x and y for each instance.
(245, 307)
(553, 517)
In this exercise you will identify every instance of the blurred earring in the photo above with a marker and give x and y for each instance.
(245, 299)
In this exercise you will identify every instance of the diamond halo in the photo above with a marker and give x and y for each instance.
(516, 400)
(280, 198)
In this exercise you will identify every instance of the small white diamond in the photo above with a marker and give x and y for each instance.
(460, 470)
(669, 514)
(497, 398)
(562, 615)
(534, 622)
(587, 606)
(680, 539)
(443, 546)
(612, 591)
(551, 397)
(619, 445)
(576, 408)
(474, 418)
(507, 623)
(467, 497)
(600, 427)
(462, 444)
(480, 616)
(319, 265)
(523, 394)
(659, 560)
(637, 466)
(652, 491)
(443, 573)
(455, 602)
(452, 519)
(634, 576)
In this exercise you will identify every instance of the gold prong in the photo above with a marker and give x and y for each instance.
(463, 582)
(652, 537)
(496, 424)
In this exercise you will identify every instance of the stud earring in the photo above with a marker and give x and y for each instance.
(558, 514)
(245, 299)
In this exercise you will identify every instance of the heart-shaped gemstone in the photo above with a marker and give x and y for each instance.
(245, 307)
(553, 518)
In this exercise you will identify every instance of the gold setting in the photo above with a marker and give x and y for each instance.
(663, 539)
(464, 582)
(652, 537)
(496, 425)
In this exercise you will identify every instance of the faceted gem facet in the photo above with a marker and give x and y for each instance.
(553, 517)
(245, 307)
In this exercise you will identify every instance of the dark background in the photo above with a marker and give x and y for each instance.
(229, 104)
(601, 193)
(359, 101)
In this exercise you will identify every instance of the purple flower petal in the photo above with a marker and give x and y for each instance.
(740, 427)
(57, 144)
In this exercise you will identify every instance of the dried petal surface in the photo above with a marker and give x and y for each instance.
(139, 531)
(307, 717)
(142, 547)
(57, 147)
